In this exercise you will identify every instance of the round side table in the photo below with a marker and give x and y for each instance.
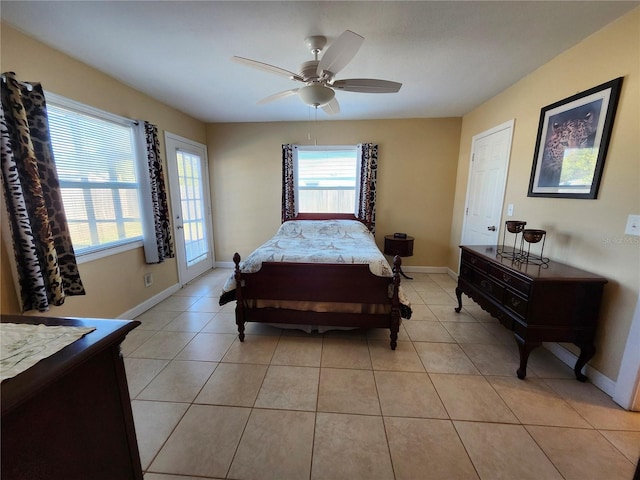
(403, 247)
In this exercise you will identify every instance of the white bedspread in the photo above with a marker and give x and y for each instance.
(319, 241)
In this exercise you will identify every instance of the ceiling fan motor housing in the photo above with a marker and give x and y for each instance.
(309, 71)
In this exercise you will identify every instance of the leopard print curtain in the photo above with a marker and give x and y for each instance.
(368, 180)
(47, 268)
(288, 186)
(161, 220)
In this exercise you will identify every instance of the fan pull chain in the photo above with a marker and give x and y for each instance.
(316, 121)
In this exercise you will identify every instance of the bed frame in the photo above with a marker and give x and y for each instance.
(317, 282)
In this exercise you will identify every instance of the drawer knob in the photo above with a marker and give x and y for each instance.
(505, 278)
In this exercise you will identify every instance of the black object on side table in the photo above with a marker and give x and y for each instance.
(401, 246)
(539, 303)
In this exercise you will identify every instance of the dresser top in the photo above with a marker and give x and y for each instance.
(552, 271)
(107, 333)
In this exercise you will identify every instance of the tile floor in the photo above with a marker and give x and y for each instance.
(289, 405)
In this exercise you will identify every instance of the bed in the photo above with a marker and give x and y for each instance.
(321, 272)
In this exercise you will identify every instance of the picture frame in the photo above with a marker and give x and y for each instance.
(572, 142)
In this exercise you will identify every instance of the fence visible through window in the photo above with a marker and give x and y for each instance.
(326, 180)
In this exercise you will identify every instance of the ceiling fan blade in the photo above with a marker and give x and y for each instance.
(366, 85)
(340, 52)
(267, 68)
(278, 96)
(332, 108)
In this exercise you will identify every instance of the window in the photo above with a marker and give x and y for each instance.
(325, 179)
(95, 155)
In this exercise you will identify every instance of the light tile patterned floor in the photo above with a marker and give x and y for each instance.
(289, 405)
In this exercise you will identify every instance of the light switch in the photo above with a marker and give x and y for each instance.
(633, 225)
(510, 210)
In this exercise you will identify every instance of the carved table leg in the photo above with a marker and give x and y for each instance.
(403, 274)
(525, 348)
(587, 351)
(459, 296)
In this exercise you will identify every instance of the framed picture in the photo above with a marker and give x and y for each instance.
(573, 136)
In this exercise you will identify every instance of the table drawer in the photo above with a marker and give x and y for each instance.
(515, 303)
(488, 286)
(475, 262)
(509, 279)
(466, 271)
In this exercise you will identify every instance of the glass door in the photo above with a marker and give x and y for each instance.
(191, 205)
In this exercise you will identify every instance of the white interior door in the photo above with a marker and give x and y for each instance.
(490, 153)
(191, 205)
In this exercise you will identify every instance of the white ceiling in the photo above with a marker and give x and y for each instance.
(450, 56)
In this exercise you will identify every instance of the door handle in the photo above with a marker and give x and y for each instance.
(179, 227)
(492, 228)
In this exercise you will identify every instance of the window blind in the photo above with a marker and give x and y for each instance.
(96, 164)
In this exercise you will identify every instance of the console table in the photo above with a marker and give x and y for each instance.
(69, 416)
(539, 303)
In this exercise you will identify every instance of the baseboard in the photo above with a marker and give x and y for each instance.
(417, 269)
(600, 380)
(225, 265)
(452, 274)
(151, 302)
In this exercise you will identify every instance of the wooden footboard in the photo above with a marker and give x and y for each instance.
(339, 284)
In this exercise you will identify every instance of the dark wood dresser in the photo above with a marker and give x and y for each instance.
(539, 303)
(69, 416)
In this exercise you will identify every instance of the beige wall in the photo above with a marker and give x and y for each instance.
(114, 284)
(416, 177)
(585, 233)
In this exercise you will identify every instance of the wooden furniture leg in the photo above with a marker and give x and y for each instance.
(525, 348)
(587, 351)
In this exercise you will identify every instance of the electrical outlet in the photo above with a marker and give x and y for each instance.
(510, 210)
(633, 225)
(148, 279)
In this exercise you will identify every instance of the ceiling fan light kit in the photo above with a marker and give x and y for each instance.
(316, 95)
(318, 75)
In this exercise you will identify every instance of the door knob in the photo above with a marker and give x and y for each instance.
(492, 228)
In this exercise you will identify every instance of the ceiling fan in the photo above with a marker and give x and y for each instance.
(319, 75)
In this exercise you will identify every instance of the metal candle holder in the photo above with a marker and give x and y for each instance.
(516, 227)
(521, 251)
(531, 235)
